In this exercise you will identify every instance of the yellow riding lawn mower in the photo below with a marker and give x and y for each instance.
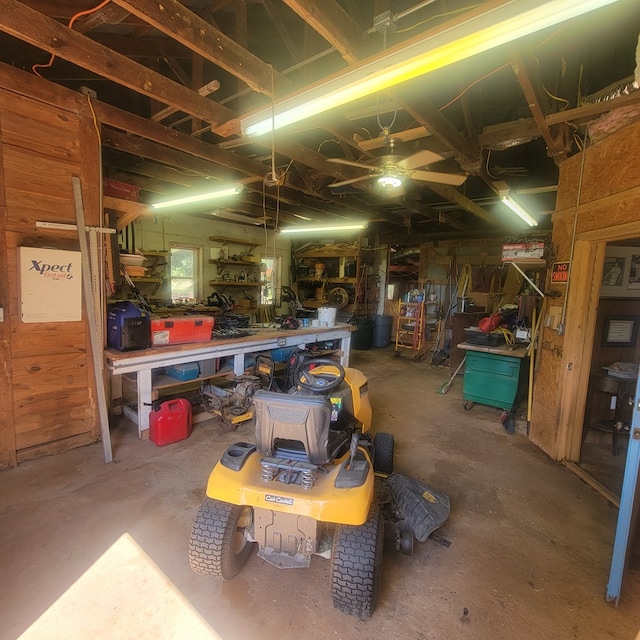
(308, 486)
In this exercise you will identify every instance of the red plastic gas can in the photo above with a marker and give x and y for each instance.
(171, 422)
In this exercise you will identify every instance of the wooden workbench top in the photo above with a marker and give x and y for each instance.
(260, 335)
(515, 351)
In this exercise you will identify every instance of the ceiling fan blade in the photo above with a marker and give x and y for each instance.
(342, 183)
(455, 179)
(349, 163)
(420, 159)
(401, 136)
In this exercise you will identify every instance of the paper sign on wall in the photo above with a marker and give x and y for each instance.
(50, 285)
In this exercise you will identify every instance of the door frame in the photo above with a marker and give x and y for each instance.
(583, 294)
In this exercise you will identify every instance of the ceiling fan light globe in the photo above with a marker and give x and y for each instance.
(389, 182)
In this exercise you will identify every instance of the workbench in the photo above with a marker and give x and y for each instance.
(493, 375)
(144, 362)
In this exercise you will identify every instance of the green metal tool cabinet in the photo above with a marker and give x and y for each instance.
(495, 376)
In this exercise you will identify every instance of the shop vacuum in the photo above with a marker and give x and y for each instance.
(129, 327)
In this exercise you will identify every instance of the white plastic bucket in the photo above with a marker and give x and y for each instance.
(327, 316)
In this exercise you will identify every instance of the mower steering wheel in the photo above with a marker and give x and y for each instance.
(320, 382)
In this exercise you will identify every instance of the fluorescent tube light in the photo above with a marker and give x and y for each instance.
(220, 193)
(490, 25)
(238, 217)
(334, 227)
(516, 208)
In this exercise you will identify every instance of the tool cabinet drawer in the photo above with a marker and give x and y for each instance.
(492, 379)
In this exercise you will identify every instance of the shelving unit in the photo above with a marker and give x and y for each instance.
(338, 262)
(410, 333)
(153, 258)
(250, 280)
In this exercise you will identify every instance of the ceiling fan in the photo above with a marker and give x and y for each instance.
(393, 169)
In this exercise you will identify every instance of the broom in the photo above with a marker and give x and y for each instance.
(447, 385)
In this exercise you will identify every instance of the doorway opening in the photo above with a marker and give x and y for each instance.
(613, 370)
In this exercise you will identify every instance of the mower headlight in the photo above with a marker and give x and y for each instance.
(364, 389)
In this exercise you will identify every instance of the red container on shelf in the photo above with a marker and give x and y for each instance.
(171, 422)
(181, 330)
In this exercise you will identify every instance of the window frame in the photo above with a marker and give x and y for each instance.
(197, 267)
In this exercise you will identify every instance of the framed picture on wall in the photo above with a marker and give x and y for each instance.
(613, 271)
(634, 271)
(620, 331)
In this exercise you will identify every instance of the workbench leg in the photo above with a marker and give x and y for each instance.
(345, 348)
(238, 364)
(145, 398)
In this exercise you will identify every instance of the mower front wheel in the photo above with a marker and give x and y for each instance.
(383, 448)
(355, 565)
(219, 545)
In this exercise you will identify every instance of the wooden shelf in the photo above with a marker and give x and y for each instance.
(145, 279)
(226, 240)
(333, 253)
(233, 283)
(240, 263)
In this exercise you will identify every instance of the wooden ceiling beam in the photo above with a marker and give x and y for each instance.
(109, 14)
(335, 25)
(150, 47)
(593, 110)
(176, 21)
(115, 117)
(450, 194)
(555, 150)
(37, 29)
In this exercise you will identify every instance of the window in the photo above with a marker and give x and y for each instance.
(270, 269)
(185, 267)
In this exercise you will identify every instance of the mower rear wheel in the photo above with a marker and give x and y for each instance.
(219, 545)
(383, 448)
(355, 565)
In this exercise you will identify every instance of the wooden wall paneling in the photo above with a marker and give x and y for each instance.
(53, 396)
(53, 448)
(7, 432)
(55, 130)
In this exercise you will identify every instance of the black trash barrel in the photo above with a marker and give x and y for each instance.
(363, 336)
(382, 331)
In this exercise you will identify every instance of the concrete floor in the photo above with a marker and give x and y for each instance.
(95, 550)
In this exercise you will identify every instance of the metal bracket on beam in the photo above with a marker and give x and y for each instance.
(384, 22)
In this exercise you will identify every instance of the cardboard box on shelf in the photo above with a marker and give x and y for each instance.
(523, 252)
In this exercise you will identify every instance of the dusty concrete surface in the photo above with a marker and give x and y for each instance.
(529, 554)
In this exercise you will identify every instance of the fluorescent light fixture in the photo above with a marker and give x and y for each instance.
(330, 227)
(220, 193)
(238, 217)
(490, 25)
(516, 208)
(389, 181)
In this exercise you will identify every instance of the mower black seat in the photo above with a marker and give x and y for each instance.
(297, 427)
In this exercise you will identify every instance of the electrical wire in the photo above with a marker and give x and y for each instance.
(46, 65)
(504, 66)
(440, 15)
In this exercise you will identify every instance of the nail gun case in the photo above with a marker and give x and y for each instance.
(181, 330)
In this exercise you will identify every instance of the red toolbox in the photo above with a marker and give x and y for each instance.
(180, 330)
